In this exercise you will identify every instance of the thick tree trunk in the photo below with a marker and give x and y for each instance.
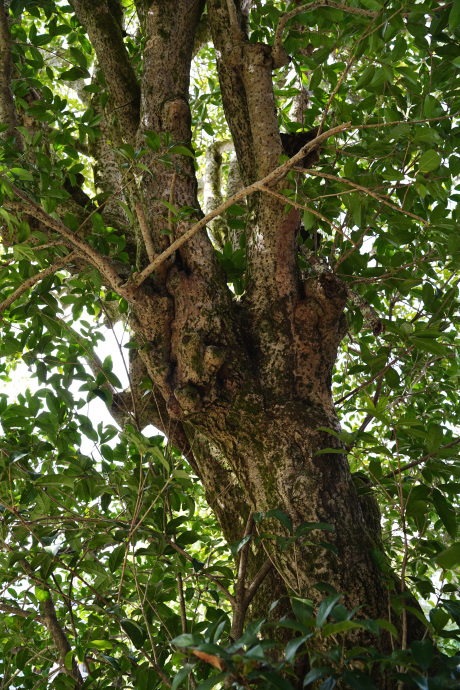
(247, 385)
(243, 387)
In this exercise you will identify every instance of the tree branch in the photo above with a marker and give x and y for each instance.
(360, 188)
(24, 613)
(251, 590)
(242, 566)
(426, 457)
(94, 257)
(147, 237)
(272, 178)
(313, 211)
(58, 635)
(278, 50)
(105, 33)
(36, 279)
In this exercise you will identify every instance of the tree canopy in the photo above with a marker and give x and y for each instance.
(236, 222)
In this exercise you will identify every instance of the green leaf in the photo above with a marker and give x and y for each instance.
(116, 558)
(292, 647)
(236, 210)
(307, 527)
(74, 73)
(325, 608)
(439, 619)
(429, 161)
(386, 625)
(187, 640)
(423, 652)
(340, 626)
(211, 682)
(449, 558)
(303, 609)
(282, 517)
(446, 512)
(58, 480)
(236, 546)
(22, 174)
(357, 680)
(68, 659)
(275, 680)
(41, 593)
(182, 150)
(316, 674)
(100, 644)
(181, 675)
(454, 15)
(134, 631)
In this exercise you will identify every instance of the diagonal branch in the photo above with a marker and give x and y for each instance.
(426, 457)
(313, 211)
(94, 257)
(58, 635)
(259, 577)
(27, 284)
(270, 179)
(23, 613)
(360, 188)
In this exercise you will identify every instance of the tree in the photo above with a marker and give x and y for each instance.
(314, 274)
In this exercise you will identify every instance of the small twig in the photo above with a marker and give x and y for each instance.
(60, 263)
(95, 258)
(375, 376)
(147, 237)
(313, 211)
(408, 122)
(171, 204)
(369, 417)
(426, 457)
(244, 554)
(183, 612)
(224, 590)
(360, 188)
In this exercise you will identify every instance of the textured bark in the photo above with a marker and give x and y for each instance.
(242, 387)
(103, 22)
(246, 386)
(8, 113)
(59, 638)
(212, 194)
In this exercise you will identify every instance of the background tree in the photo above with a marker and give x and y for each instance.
(323, 280)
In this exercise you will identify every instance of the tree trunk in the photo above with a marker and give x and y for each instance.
(249, 382)
(243, 387)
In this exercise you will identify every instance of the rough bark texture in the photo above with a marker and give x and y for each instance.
(8, 113)
(247, 384)
(242, 387)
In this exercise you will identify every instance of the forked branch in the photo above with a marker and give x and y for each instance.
(270, 179)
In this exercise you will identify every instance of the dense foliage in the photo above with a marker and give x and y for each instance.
(113, 569)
